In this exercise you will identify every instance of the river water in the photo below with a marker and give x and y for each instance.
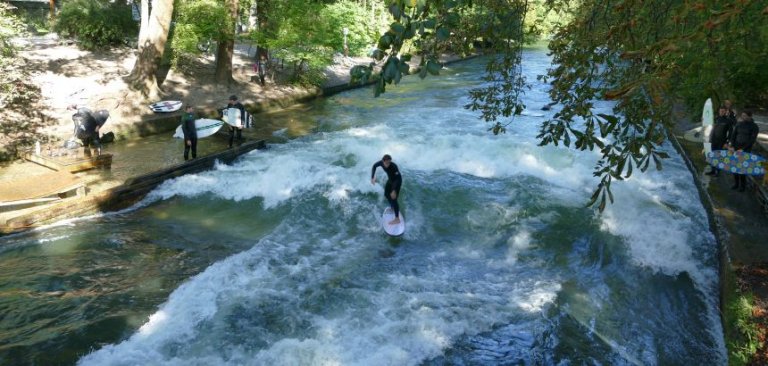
(279, 259)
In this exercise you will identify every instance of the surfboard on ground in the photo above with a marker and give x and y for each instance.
(205, 127)
(166, 106)
(707, 121)
(737, 162)
(393, 230)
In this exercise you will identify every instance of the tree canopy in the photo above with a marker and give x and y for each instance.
(647, 56)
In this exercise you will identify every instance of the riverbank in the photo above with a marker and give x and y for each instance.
(142, 146)
(739, 221)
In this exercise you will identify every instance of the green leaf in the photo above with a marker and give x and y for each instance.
(397, 28)
(395, 10)
(443, 34)
(601, 207)
(404, 67)
(433, 67)
(423, 72)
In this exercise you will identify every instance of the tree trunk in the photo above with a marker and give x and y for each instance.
(226, 47)
(262, 53)
(144, 23)
(151, 48)
(253, 17)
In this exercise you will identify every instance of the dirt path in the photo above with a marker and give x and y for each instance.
(68, 75)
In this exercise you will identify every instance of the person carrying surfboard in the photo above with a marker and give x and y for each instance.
(190, 132)
(743, 135)
(392, 187)
(233, 103)
(720, 133)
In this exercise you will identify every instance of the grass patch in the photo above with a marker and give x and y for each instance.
(742, 334)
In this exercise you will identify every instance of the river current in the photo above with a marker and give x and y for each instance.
(279, 258)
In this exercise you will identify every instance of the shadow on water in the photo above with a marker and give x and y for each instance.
(68, 290)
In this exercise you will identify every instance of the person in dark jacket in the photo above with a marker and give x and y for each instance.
(190, 132)
(392, 187)
(233, 103)
(719, 135)
(87, 126)
(742, 137)
(730, 112)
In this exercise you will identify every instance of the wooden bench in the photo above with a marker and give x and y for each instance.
(39, 189)
(71, 164)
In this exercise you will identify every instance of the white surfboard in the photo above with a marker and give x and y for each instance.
(394, 230)
(531, 114)
(694, 135)
(205, 127)
(707, 121)
(166, 106)
(232, 117)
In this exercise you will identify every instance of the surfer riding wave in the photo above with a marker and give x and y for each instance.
(392, 187)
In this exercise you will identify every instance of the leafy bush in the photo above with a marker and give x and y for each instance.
(18, 97)
(741, 330)
(95, 23)
(362, 32)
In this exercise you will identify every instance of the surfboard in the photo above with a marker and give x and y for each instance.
(393, 230)
(707, 121)
(205, 127)
(694, 134)
(166, 106)
(531, 114)
(737, 162)
(232, 117)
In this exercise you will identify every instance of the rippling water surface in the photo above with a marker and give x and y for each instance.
(278, 259)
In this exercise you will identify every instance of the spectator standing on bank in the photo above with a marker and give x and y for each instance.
(743, 135)
(731, 113)
(190, 132)
(234, 103)
(261, 64)
(720, 133)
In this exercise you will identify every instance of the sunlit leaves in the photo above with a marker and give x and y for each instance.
(648, 57)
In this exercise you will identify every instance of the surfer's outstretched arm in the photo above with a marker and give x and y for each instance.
(373, 171)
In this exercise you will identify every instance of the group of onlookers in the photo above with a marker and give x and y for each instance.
(735, 134)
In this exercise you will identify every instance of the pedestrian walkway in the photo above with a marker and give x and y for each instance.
(147, 161)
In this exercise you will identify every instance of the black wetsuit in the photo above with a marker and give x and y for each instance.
(743, 135)
(394, 181)
(190, 134)
(234, 130)
(86, 123)
(720, 132)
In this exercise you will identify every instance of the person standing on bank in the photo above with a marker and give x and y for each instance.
(87, 126)
(261, 64)
(190, 132)
(392, 187)
(730, 112)
(234, 103)
(720, 133)
(743, 135)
